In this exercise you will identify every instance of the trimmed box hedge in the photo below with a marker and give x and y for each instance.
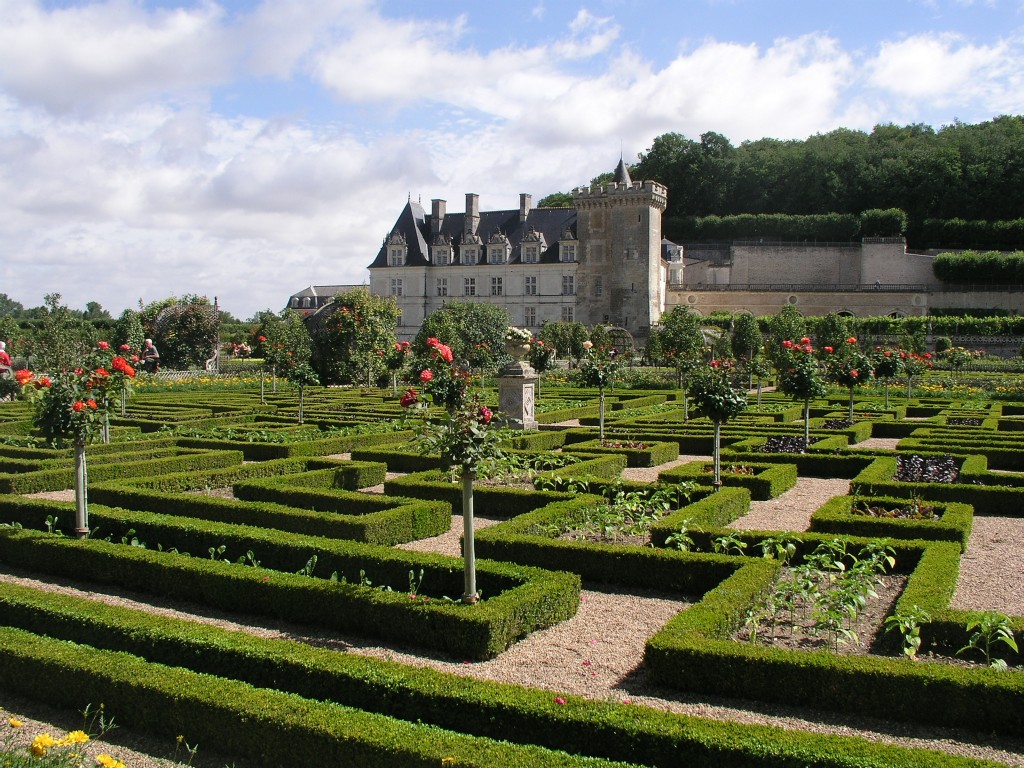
(835, 516)
(638, 453)
(459, 703)
(769, 480)
(519, 600)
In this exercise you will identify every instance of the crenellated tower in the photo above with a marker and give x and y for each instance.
(620, 276)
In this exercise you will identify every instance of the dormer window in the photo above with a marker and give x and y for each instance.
(397, 250)
(532, 247)
(497, 249)
(530, 254)
(442, 256)
(470, 254)
(567, 252)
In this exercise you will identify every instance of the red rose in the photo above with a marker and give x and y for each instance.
(103, 344)
(135, 358)
(45, 382)
(410, 398)
(23, 375)
(484, 414)
(406, 344)
(78, 406)
(787, 344)
(887, 353)
(854, 374)
(852, 340)
(830, 350)
(398, 347)
(805, 340)
(125, 347)
(91, 404)
(261, 339)
(927, 355)
(426, 375)
(102, 372)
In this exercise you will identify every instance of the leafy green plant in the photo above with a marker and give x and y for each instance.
(781, 548)
(989, 630)
(309, 567)
(217, 553)
(908, 625)
(729, 544)
(682, 538)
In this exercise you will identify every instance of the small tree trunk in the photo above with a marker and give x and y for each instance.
(600, 420)
(394, 382)
(909, 379)
(807, 422)
(686, 407)
(300, 403)
(105, 428)
(759, 392)
(124, 403)
(81, 492)
(886, 393)
(468, 545)
(717, 456)
(849, 414)
(273, 379)
(263, 390)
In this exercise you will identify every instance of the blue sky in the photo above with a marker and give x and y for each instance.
(246, 150)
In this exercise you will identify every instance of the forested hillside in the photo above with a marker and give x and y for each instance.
(967, 172)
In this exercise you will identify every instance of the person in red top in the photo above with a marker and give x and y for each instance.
(5, 359)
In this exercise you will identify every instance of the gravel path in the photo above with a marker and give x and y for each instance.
(792, 510)
(991, 572)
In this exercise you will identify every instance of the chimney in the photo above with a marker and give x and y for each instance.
(472, 213)
(437, 211)
(525, 201)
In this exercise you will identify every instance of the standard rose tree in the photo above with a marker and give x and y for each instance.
(463, 435)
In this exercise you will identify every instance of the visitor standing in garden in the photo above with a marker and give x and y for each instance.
(5, 359)
(150, 357)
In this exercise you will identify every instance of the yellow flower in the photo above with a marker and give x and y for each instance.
(41, 743)
(109, 762)
(15, 723)
(75, 737)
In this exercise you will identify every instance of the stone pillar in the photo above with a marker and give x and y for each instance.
(517, 383)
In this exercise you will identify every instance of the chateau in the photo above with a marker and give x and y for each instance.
(601, 261)
(604, 260)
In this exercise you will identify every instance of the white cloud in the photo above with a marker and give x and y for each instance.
(943, 66)
(107, 54)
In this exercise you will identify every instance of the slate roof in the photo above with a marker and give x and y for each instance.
(415, 226)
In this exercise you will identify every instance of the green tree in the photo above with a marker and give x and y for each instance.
(683, 342)
(786, 324)
(128, 330)
(747, 344)
(475, 333)
(95, 311)
(351, 337)
(185, 330)
(556, 200)
(832, 330)
(9, 306)
(715, 397)
(63, 338)
(566, 338)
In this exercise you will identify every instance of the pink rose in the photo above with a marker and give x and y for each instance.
(103, 344)
(484, 414)
(426, 375)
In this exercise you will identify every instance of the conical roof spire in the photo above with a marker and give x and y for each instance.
(622, 174)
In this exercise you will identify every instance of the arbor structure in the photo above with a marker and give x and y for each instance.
(348, 334)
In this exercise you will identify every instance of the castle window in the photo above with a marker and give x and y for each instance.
(396, 286)
(530, 254)
(529, 316)
(306, 302)
(599, 285)
(567, 252)
(568, 285)
(530, 285)
(568, 315)
(396, 257)
(295, 302)
(442, 257)
(496, 286)
(442, 286)
(470, 255)
(496, 255)
(469, 286)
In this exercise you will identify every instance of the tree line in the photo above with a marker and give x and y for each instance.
(970, 173)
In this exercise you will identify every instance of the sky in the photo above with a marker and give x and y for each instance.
(247, 150)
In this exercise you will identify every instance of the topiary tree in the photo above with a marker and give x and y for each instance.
(683, 342)
(888, 365)
(714, 396)
(800, 376)
(475, 334)
(848, 367)
(597, 369)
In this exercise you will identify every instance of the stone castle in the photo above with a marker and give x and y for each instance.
(604, 260)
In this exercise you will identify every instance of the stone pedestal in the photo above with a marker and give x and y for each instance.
(516, 393)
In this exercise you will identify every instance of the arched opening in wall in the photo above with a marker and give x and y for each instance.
(897, 313)
(793, 300)
(621, 341)
(845, 313)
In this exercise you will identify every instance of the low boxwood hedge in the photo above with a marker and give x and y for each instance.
(638, 453)
(767, 482)
(455, 702)
(835, 516)
(519, 600)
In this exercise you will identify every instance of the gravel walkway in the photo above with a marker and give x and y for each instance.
(792, 510)
(991, 573)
